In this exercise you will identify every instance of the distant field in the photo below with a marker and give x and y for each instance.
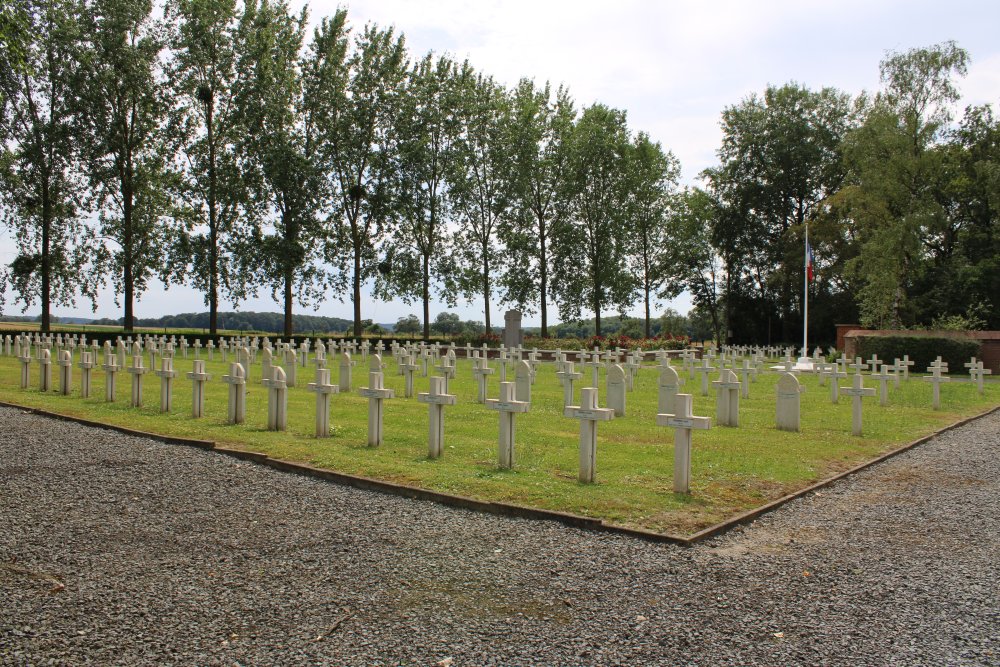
(734, 469)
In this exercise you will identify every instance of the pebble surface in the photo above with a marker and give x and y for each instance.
(117, 550)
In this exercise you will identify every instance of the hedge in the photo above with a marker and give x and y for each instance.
(922, 350)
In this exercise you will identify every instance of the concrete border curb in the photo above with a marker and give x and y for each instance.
(490, 507)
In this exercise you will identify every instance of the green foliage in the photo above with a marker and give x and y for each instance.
(481, 186)
(42, 185)
(124, 102)
(409, 324)
(655, 255)
(781, 159)
(921, 349)
(591, 245)
(204, 133)
(278, 154)
(539, 146)
(426, 131)
(357, 96)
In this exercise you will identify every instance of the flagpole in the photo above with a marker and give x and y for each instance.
(805, 299)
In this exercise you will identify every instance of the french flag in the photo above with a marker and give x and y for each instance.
(809, 262)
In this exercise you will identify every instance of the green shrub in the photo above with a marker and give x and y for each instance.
(922, 350)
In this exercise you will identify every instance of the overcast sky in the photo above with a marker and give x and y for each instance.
(673, 66)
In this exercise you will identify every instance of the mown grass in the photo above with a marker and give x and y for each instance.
(733, 469)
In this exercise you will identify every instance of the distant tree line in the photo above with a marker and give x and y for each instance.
(243, 321)
(225, 146)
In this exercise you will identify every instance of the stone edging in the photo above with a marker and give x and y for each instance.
(504, 509)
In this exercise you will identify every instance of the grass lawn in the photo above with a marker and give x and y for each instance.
(733, 469)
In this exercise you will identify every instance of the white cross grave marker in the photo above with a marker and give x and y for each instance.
(883, 384)
(683, 422)
(277, 399)
(481, 369)
(198, 378)
(568, 376)
(857, 391)
(727, 398)
(166, 375)
(323, 389)
(136, 370)
(589, 414)
(436, 399)
(508, 407)
(376, 395)
(237, 382)
(935, 378)
(86, 367)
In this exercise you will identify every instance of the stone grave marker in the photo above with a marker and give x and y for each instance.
(277, 399)
(589, 415)
(408, 366)
(289, 367)
(111, 369)
(667, 388)
(345, 371)
(137, 371)
(522, 380)
(482, 371)
(936, 378)
(25, 359)
(883, 384)
(745, 372)
(376, 394)
(44, 370)
(857, 391)
(789, 403)
(683, 422)
(86, 368)
(568, 376)
(616, 389)
(703, 370)
(436, 399)
(508, 407)
(237, 382)
(198, 378)
(166, 375)
(594, 365)
(977, 374)
(323, 389)
(727, 398)
(835, 374)
(65, 363)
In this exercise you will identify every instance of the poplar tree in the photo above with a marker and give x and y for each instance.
(204, 131)
(41, 185)
(592, 241)
(278, 155)
(538, 142)
(123, 100)
(481, 183)
(417, 253)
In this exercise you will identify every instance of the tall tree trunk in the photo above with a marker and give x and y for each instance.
(426, 293)
(46, 295)
(543, 280)
(486, 286)
(128, 279)
(213, 225)
(357, 289)
(647, 289)
(288, 303)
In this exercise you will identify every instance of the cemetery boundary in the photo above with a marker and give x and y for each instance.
(489, 507)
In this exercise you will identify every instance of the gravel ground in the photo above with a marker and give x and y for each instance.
(121, 550)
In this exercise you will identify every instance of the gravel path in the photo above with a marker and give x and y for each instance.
(120, 550)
